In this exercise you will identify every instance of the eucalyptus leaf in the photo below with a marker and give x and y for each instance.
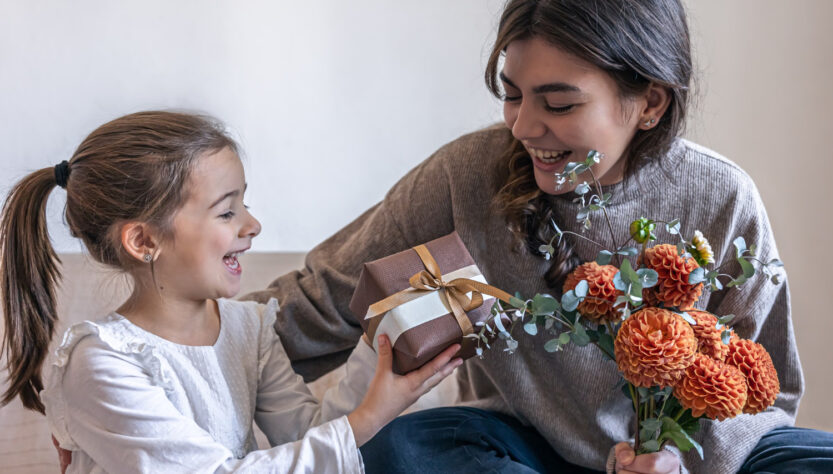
(628, 251)
(564, 338)
(581, 289)
(687, 317)
(619, 282)
(543, 304)
(651, 424)
(628, 270)
(569, 301)
(673, 227)
(582, 188)
(775, 263)
(603, 258)
(499, 326)
(647, 277)
(748, 268)
(726, 319)
(697, 276)
(740, 246)
(552, 345)
(517, 302)
(726, 336)
(579, 336)
(531, 329)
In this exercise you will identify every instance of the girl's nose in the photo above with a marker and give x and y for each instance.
(251, 228)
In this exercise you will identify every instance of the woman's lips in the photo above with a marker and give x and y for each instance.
(549, 160)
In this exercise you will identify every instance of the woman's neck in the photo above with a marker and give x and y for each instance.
(179, 320)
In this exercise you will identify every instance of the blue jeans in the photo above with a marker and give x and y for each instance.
(463, 440)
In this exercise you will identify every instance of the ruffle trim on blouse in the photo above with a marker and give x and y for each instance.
(269, 315)
(115, 333)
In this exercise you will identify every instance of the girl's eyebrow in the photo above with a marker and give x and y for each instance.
(544, 88)
(229, 194)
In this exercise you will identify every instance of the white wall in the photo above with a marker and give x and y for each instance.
(334, 100)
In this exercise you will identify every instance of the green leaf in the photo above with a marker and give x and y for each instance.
(647, 277)
(726, 319)
(569, 301)
(582, 188)
(740, 246)
(606, 343)
(581, 288)
(552, 345)
(651, 424)
(628, 251)
(775, 263)
(697, 276)
(650, 446)
(517, 302)
(687, 317)
(531, 328)
(619, 282)
(563, 338)
(579, 336)
(544, 305)
(673, 227)
(748, 268)
(604, 257)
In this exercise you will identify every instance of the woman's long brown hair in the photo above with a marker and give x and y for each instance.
(133, 168)
(637, 42)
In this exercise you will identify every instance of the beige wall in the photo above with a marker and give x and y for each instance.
(766, 69)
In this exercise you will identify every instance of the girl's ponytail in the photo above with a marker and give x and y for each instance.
(29, 272)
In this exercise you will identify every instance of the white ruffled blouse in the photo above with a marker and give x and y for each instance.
(125, 400)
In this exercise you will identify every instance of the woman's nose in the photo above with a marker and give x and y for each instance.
(526, 124)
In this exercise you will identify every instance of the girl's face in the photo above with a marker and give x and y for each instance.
(211, 230)
(561, 107)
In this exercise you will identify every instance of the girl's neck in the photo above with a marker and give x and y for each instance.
(179, 320)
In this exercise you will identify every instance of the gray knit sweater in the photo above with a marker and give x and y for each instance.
(571, 397)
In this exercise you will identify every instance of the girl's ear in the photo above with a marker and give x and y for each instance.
(139, 241)
(656, 102)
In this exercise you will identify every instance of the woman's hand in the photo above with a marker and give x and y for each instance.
(390, 394)
(627, 462)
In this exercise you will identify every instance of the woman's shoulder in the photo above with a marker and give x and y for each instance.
(701, 163)
(489, 142)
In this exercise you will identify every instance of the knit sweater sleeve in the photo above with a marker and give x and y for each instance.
(315, 323)
(762, 312)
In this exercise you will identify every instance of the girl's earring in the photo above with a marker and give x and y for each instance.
(148, 258)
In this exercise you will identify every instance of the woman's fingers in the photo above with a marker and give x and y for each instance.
(385, 355)
(661, 462)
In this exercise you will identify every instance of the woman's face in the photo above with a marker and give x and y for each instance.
(561, 107)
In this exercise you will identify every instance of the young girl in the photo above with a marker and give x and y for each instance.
(172, 380)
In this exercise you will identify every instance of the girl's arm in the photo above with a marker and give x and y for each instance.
(125, 423)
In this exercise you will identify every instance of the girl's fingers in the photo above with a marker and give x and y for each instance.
(385, 354)
(435, 365)
(438, 377)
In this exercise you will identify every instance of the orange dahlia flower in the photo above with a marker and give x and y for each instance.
(601, 294)
(709, 340)
(672, 288)
(653, 347)
(712, 388)
(755, 363)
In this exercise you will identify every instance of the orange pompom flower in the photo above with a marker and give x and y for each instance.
(601, 294)
(709, 337)
(754, 362)
(653, 347)
(712, 388)
(672, 288)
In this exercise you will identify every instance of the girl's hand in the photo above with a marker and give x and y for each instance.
(627, 462)
(390, 394)
(64, 456)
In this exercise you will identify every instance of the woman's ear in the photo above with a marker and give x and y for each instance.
(656, 102)
(138, 240)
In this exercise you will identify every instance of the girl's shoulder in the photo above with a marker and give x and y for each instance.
(249, 317)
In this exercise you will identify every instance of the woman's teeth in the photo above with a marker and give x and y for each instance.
(548, 156)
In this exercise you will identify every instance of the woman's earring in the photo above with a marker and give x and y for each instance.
(148, 258)
(650, 123)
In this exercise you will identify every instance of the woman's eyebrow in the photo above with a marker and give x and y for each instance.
(544, 88)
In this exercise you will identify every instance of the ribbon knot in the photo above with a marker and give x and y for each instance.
(430, 280)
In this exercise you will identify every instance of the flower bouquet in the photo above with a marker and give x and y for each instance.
(679, 364)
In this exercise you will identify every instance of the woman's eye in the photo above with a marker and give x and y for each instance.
(513, 98)
(227, 215)
(560, 110)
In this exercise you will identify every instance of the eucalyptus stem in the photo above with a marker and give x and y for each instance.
(636, 410)
(680, 413)
(604, 208)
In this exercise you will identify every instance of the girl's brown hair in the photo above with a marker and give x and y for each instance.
(637, 42)
(131, 169)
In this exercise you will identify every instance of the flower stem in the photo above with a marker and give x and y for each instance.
(636, 410)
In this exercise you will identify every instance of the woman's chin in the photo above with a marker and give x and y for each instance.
(546, 183)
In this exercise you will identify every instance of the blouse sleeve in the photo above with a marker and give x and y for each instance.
(125, 422)
(286, 408)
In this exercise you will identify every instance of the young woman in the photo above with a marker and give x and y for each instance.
(577, 75)
(172, 380)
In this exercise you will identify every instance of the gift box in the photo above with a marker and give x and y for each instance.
(425, 299)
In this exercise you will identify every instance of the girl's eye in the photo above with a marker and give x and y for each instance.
(227, 215)
(560, 110)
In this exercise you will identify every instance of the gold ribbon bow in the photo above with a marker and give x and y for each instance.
(431, 279)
